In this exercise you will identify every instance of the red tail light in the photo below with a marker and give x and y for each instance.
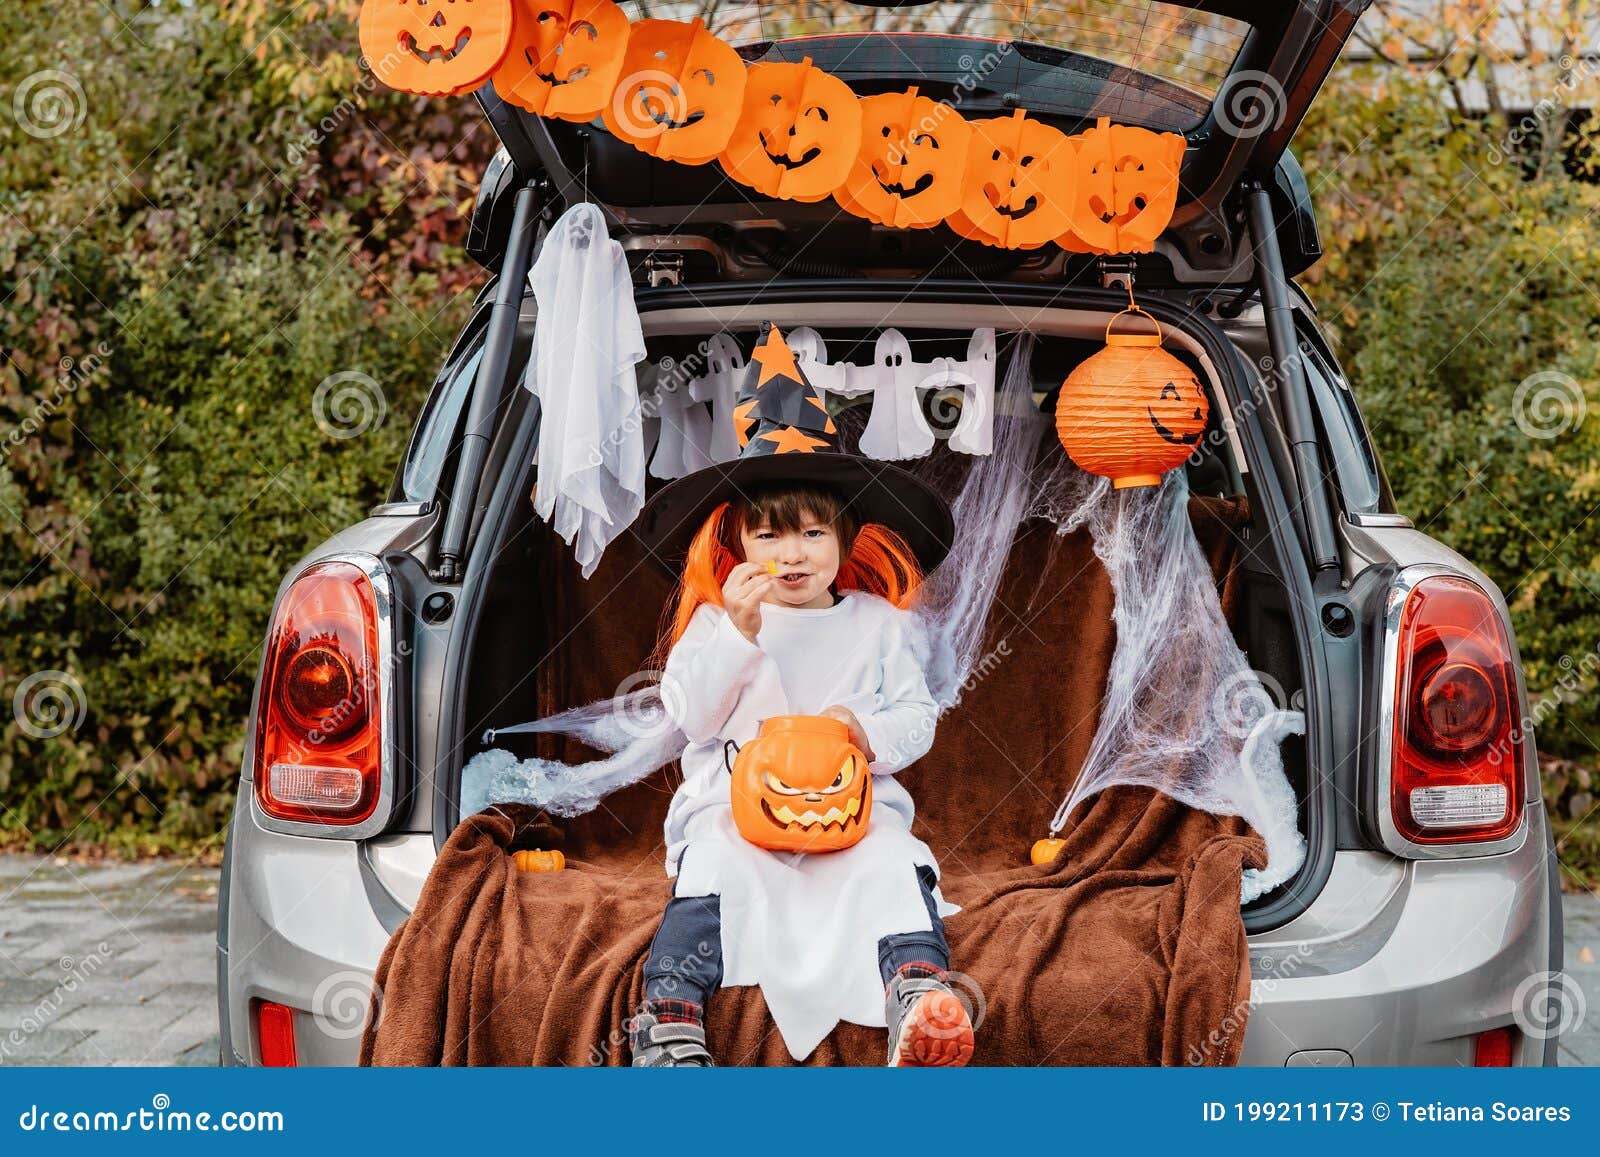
(1456, 766)
(275, 1034)
(320, 733)
(1492, 1049)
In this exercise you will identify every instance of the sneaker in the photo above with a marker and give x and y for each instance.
(668, 1033)
(928, 1023)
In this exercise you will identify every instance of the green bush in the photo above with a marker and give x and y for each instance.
(221, 225)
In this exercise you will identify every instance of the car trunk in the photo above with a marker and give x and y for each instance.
(547, 640)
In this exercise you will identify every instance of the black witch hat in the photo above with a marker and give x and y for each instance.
(787, 436)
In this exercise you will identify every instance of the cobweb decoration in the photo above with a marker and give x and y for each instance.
(1183, 711)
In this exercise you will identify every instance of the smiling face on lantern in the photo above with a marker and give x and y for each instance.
(1178, 415)
(1019, 174)
(565, 57)
(908, 170)
(435, 47)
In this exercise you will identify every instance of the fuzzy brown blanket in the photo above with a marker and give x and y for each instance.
(1128, 950)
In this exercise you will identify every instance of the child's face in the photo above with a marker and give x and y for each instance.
(807, 560)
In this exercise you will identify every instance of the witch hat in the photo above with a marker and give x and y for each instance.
(786, 435)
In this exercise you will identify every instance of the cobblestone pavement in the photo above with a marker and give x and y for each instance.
(115, 964)
(107, 964)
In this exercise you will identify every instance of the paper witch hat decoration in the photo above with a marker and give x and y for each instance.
(786, 435)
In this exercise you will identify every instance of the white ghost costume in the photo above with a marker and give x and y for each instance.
(803, 926)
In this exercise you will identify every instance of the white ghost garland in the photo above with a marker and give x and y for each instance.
(692, 437)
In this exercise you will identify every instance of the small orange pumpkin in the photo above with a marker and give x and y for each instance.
(1126, 190)
(908, 170)
(681, 93)
(1018, 183)
(434, 47)
(798, 134)
(802, 786)
(538, 860)
(565, 57)
(1045, 851)
(1131, 411)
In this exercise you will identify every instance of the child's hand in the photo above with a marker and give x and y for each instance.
(857, 735)
(741, 596)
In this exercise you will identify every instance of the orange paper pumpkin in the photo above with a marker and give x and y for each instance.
(435, 47)
(537, 860)
(798, 134)
(802, 786)
(1126, 190)
(565, 57)
(1131, 411)
(681, 93)
(908, 170)
(1018, 183)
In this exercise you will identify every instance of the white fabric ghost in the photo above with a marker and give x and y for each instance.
(591, 430)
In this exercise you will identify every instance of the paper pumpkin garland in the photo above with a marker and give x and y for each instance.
(1132, 411)
(908, 170)
(565, 57)
(435, 47)
(788, 130)
(798, 133)
(681, 94)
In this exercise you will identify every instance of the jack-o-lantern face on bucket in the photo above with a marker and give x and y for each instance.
(797, 136)
(680, 94)
(802, 786)
(908, 171)
(435, 47)
(1018, 183)
(565, 57)
(1126, 191)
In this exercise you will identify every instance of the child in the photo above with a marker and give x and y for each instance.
(792, 601)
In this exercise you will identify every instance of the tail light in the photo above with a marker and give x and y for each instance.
(1492, 1049)
(1455, 769)
(320, 738)
(275, 1035)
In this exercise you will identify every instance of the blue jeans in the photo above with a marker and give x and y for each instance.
(685, 960)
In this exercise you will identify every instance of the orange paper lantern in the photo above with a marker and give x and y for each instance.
(1018, 184)
(801, 786)
(798, 134)
(565, 57)
(434, 47)
(908, 170)
(1132, 411)
(1126, 190)
(681, 93)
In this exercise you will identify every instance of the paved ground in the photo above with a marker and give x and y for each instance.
(107, 964)
(115, 965)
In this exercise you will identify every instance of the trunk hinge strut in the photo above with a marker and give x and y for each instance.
(490, 387)
(1290, 373)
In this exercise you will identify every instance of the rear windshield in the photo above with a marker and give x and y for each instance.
(1191, 50)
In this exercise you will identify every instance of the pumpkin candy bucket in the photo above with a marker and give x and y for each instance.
(801, 786)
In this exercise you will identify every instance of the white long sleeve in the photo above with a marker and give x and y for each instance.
(900, 726)
(707, 671)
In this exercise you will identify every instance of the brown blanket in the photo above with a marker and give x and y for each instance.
(1128, 950)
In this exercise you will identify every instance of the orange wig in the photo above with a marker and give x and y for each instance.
(876, 559)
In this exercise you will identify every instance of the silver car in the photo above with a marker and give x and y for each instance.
(1425, 925)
